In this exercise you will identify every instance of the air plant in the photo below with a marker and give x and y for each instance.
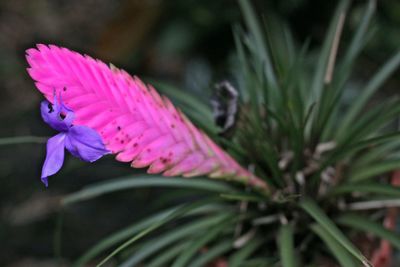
(304, 176)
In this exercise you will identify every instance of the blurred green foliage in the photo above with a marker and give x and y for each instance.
(188, 44)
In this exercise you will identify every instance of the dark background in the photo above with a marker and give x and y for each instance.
(187, 43)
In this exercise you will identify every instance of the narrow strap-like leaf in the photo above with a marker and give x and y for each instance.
(129, 182)
(286, 246)
(22, 140)
(376, 81)
(323, 60)
(340, 253)
(175, 214)
(201, 241)
(167, 255)
(255, 29)
(318, 215)
(366, 225)
(136, 227)
(375, 169)
(183, 232)
(237, 259)
(369, 188)
(212, 253)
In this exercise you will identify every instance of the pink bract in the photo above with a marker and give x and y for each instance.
(134, 121)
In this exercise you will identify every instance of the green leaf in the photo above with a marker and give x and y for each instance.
(375, 154)
(323, 60)
(200, 241)
(259, 262)
(167, 255)
(319, 216)
(345, 66)
(135, 228)
(22, 140)
(373, 141)
(250, 18)
(374, 170)
(371, 122)
(370, 188)
(242, 197)
(281, 43)
(367, 225)
(122, 235)
(343, 152)
(212, 253)
(255, 80)
(286, 246)
(176, 214)
(134, 181)
(340, 253)
(183, 232)
(342, 73)
(237, 259)
(356, 44)
(376, 81)
(244, 65)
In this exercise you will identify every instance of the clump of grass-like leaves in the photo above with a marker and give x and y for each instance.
(326, 160)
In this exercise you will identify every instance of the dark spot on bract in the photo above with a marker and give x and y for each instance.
(119, 128)
(148, 150)
(65, 89)
(172, 125)
(50, 106)
(135, 144)
(122, 141)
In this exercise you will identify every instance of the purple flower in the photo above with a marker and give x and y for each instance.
(81, 141)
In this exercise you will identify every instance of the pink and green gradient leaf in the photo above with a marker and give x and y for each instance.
(134, 121)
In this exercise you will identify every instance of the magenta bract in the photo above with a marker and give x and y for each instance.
(133, 120)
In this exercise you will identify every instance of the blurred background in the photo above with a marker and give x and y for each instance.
(185, 43)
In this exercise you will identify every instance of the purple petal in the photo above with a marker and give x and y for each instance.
(85, 143)
(54, 156)
(58, 116)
